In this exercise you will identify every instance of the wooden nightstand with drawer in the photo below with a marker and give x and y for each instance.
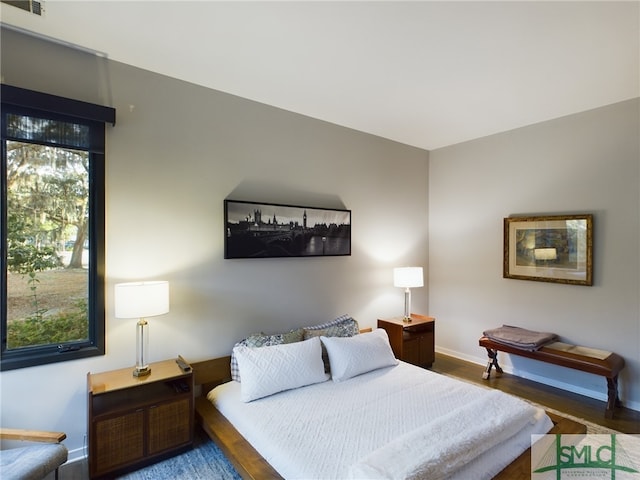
(414, 341)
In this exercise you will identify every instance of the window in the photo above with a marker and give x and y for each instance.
(52, 228)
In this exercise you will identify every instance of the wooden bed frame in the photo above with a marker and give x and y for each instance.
(250, 464)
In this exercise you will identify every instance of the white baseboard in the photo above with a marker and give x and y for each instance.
(76, 467)
(598, 395)
(77, 455)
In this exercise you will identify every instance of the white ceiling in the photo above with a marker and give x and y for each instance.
(427, 74)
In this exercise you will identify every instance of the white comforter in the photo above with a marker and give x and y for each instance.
(396, 422)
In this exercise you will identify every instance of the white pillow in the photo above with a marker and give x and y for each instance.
(351, 356)
(268, 370)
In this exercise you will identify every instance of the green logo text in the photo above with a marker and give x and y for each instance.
(591, 455)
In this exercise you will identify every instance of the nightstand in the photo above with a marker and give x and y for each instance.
(412, 342)
(135, 421)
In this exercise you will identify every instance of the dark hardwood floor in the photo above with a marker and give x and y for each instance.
(625, 420)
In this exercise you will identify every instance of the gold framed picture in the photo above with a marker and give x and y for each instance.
(556, 248)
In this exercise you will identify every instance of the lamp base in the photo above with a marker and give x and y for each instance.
(141, 372)
(407, 306)
(142, 345)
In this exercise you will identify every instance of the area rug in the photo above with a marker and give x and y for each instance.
(591, 427)
(205, 461)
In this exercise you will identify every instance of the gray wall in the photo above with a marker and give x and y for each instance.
(584, 163)
(176, 152)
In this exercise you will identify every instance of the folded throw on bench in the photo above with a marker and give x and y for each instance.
(520, 337)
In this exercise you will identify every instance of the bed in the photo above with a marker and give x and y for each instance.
(394, 420)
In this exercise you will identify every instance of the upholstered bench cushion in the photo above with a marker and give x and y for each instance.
(31, 462)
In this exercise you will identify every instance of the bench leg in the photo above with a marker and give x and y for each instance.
(612, 396)
(493, 362)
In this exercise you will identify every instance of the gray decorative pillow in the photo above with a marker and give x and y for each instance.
(343, 321)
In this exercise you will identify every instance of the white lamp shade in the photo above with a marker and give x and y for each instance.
(141, 299)
(408, 277)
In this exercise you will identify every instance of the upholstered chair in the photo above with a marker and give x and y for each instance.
(41, 454)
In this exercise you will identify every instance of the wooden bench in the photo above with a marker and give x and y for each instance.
(568, 356)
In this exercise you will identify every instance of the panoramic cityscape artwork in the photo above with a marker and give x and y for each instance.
(262, 230)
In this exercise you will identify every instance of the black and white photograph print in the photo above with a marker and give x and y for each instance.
(264, 230)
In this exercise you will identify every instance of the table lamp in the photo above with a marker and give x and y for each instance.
(141, 300)
(407, 277)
